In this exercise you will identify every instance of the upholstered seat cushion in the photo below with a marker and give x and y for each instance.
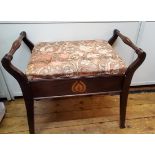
(74, 59)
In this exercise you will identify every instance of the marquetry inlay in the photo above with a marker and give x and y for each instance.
(79, 87)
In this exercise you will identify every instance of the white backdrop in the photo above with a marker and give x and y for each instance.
(145, 75)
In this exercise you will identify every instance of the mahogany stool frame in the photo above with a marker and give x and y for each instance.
(89, 85)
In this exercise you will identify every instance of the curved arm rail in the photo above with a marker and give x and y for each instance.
(141, 54)
(128, 42)
(6, 60)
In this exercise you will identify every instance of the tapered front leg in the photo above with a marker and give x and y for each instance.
(29, 103)
(123, 106)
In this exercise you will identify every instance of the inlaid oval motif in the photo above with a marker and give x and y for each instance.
(79, 87)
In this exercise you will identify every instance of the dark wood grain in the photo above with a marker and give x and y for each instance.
(63, 87)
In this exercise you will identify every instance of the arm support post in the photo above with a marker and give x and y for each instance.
(6, 60)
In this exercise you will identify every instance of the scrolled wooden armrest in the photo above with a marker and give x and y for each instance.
(6, 60)
(141, 54)
(128, 42)
(16, 44)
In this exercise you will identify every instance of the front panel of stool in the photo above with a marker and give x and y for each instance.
(61, 87)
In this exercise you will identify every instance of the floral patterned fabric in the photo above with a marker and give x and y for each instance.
(74, 59)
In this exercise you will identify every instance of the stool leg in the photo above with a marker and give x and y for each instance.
(123, 106)
(29, 103)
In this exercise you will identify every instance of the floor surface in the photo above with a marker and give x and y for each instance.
(91, 114)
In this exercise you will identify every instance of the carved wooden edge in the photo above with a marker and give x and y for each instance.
(113, 38)
(127, 41)
(6, 60)
(28, 42)
(17, 43)
(141, 54)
